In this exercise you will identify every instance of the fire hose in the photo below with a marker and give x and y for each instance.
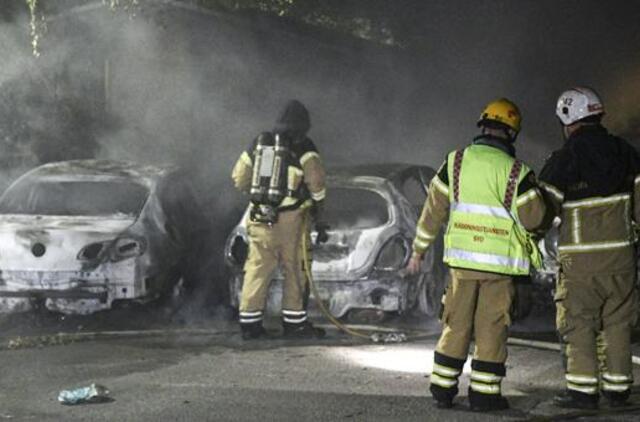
(373, 335)
(381, 335)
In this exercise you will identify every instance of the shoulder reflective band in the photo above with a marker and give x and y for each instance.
(589, 247)
(553, 191)
(483, 258)
(481, 209)
(596, 202)
(457, 166)
(527, 197)
(308, 156)
(444, 189)
(512, 184)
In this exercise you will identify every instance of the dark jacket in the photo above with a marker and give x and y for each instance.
(591, 184)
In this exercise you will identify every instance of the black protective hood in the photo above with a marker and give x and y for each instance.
(294, 119)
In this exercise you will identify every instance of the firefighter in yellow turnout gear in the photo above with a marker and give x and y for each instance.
(492, 202)
(592, 184)
(284, 176)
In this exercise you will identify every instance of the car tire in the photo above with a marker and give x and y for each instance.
(430, 295)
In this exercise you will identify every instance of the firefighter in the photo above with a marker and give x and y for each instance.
(284, 176)
(591, 184)
(492, 202)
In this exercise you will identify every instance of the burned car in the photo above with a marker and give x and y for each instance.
(372, 211)
(82, 236)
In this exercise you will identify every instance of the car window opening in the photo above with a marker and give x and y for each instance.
(74, 198)
(355, 209)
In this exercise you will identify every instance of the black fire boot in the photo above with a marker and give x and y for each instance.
(444, 379)
(571, 399)
(617, 399)
(253, 331)
(479, 402)
(303, 330)
(443, 396)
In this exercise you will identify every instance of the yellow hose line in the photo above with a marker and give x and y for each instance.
(323, 308)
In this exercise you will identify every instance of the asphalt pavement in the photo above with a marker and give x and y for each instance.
(205, 372)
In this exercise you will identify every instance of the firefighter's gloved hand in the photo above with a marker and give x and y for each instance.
(523, 299)
(323, 236)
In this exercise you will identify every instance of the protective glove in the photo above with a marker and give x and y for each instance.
(321, 229)
(523, 299)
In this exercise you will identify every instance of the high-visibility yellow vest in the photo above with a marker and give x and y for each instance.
(484, 232)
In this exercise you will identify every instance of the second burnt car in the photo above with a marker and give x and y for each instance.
(372, 211)
(81, 236)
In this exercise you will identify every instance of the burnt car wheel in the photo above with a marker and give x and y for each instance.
(430, 294)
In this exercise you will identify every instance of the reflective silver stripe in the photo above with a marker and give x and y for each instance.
(527, 197)
(575, 215)
(308, 156)
(484, 388)
(553, 191)
(442, 382)
(485, 376)
(483, 258)
(480, 209)
(637, 179)
(421, 244)
(444, 370)
(582, 388)
(615, 387)
(597, 201)
(586, 247)
(616, 378)
(444, 189)
(424, 235)
(293, 313)
(581, 379)
(250, 320)
(294, 320)
(319, 196)
(250, 314)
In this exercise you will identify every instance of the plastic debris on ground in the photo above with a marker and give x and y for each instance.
(92, 394)
(389, 337)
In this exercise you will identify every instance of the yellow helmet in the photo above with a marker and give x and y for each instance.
(501, 111)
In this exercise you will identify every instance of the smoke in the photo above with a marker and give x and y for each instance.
(191, 87)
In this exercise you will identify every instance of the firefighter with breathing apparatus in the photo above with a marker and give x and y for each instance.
(283, 174)
(492, 204)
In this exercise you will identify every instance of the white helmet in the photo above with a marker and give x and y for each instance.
(577, 104)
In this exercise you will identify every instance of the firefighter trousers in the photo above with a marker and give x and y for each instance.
(270, 246)
(477, 308)
(594, 316)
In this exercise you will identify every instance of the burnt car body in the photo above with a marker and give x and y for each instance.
(372, 211)
(80, 236)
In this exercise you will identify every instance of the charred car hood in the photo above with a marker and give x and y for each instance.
(52, 243)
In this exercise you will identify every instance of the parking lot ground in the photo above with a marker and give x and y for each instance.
(210, 374)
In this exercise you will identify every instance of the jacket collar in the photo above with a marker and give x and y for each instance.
(495, 142)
